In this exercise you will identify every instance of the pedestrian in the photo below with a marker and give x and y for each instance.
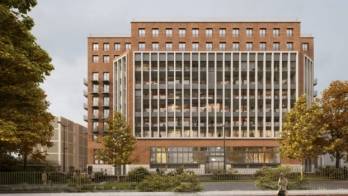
(282, 185)
(44, 178)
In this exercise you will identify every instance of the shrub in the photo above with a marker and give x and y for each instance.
(221, 175)
(184, 182)
(267, 178)
(138, 174)
(157, 182)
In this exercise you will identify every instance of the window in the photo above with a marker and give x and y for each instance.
(141, 46)
(106, 113)
(222, 46)
(95, 88)
(289, 45)
(95, 101)
(276, 46)
(169, 32)
(106, 59)
(289, 32)
(169, 46)
(262, 32)
(208, 46)
(182, 32)
(128, 46)
(95, 113)
(195, 32)
(106, 101)
(95, 124)
(249, 46)
(182, 46)
(249, 32)
(209, 32)
(141, 32)
(276, 32)
(95, 59)
(195, 46)
(106, 46)
(117, 46)
(95, 46)
(235, 32)
(305, 47)
(235, 46)
(222, 32)
(262, 46)
(155, 32)
(106, 76)
(95, 76)
(155, 46)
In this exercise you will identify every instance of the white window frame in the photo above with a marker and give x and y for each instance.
(182, 32)
(249, 32)
(235, 46)
(289, 32)
(208, 32)
(209, 46)
(249, 46)
(169, 32)
(222, 32)
(305, 46)
(263, 32)
(235, 32)
(128, 46)
(106, 59)
(169, 46)
(222, 46)
(155, 46)
(182, 46)
(95, 46)
(195, 46)
(290, 45)
(141, 46)
(141, 32)
(262, 46)
(117, 46)
(195, 32)
(106, 46)
(276, 46)
(155, 32)
(95, 59)
(276, 32)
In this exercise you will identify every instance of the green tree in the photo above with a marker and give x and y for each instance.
(118, 143)
(23, 66)
(301, 137)
(334, 103)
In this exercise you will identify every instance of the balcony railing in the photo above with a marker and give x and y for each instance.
(85, 118)
(85, 82)
(85, 93)
(85, 106)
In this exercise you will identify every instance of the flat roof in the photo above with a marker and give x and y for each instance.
(215, 20)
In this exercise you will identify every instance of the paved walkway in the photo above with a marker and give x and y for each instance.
(208, 193)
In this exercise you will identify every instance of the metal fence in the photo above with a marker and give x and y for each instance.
(325, 178)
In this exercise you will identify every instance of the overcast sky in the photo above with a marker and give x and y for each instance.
(62, 27)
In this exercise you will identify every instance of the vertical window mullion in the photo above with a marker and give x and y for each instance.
(264, 94)
(272, 94)
(240, 94)
(248, 94)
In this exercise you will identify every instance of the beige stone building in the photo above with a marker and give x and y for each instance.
(69, 149)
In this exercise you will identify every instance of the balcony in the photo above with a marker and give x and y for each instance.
(106, 79)
(315, 82)
(106, 104)
(85, 118)
(85, 93)
(95, 104)
(95, 91)
(85, 106)
(315, 93)
(85, 82)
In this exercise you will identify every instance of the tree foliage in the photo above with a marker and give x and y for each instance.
(23, 66)
(301, 137)
(334, 104)
(118, 142)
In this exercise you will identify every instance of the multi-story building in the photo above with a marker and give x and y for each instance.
(201, 94)
(69, 145)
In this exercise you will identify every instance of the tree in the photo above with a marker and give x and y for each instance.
(118, 142)
(23, 66)
(334, 103)
(301, 137)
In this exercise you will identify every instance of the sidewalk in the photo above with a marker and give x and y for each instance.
(207, 193)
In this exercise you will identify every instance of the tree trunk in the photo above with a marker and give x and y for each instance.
(116, 173)
(338, 159)
(25, 161)
(302, 163)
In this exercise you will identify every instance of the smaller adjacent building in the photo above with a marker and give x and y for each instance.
(69, 145)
